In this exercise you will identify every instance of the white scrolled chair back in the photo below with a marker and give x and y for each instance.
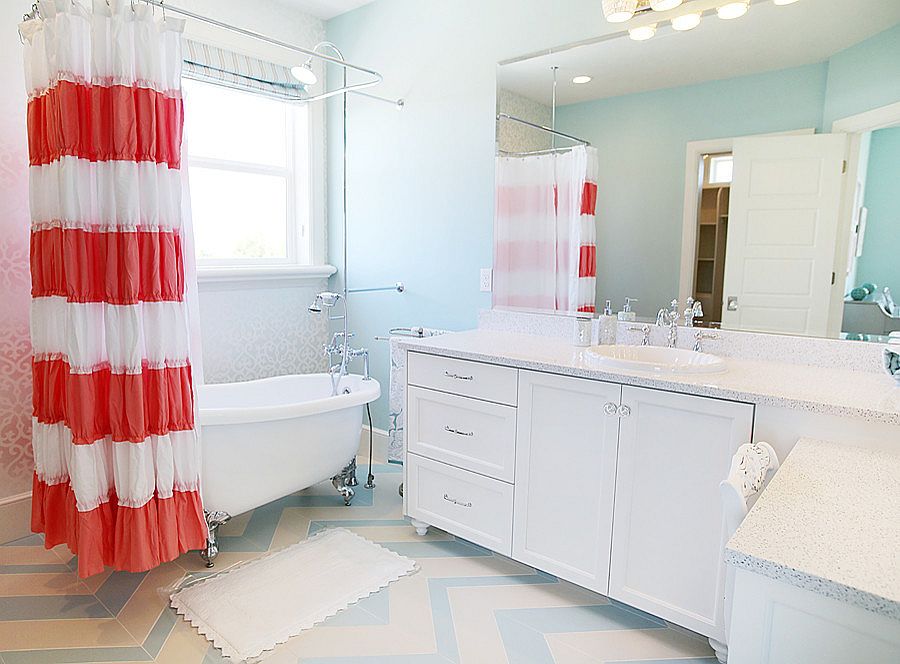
(752, 465)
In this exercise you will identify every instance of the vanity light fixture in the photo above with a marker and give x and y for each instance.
(643, 33)
(686, 22)
(664, 5)
(619, 11)
(733, 10)
(580, 80)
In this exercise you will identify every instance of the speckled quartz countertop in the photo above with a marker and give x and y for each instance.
(868, 396)
(829, 522)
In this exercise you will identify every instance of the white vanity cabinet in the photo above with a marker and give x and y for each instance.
(667, 541)
(565, 476)
(614, 488)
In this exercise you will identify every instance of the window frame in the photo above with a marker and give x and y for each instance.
(304, 185)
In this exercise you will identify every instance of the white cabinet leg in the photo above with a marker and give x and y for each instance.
(721, 650)
(420, 526)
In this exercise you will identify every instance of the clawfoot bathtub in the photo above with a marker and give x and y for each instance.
(264, 439)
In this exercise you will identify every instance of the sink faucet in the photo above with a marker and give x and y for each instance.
(669, 317)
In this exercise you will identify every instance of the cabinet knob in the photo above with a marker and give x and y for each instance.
(610, 408)
(624, 411)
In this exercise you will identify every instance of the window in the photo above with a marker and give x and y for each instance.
(248, 160)
(720, 169)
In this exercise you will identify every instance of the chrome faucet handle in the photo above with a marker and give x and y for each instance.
(697, 308)
(699, 336)
(673, 307)
(645, 329)
(662, 317)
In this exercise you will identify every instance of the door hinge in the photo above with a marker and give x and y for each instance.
(844, 166)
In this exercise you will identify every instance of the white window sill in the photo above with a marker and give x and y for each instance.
(211, 278)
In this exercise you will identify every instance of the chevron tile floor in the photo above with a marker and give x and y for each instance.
(465, 605)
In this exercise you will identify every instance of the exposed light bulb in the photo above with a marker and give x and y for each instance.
(643, 33)
(686, 21)
(664, 5)
(580, 80)
(733, 10)
(619, 11)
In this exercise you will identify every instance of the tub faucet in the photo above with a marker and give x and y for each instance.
(669, 317)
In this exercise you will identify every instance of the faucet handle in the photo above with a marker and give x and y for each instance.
(645, 330)
(673, 306)
(697, 309)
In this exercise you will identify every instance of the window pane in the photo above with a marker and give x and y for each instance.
(238, 215)
(255, 126)
(720, 169)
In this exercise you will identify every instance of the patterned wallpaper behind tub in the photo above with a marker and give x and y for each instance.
(515, 137)
(15, 282)
(260, 332)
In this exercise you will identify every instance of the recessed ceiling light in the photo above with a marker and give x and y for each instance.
(664, 5)
(686, 21)
(581, 79)
(733, 10)
(643, 33)
(784, 2)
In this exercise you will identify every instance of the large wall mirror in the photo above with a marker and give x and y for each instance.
(751, 165)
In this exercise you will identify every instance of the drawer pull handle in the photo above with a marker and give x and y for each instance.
(458, 432)
(456, 376)
(456, 502)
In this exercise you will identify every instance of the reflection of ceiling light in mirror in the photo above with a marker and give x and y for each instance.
(581, 79)
(642, 33)
(686, 22)
(664, 5)
(304, 74)
(784, 2)
(619, 11)
(733, 9)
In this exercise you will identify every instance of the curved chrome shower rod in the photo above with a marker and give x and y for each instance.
(312, 53)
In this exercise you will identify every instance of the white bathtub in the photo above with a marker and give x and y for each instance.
(264, 439)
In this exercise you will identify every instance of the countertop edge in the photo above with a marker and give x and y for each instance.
(816, 584)
(653, 381)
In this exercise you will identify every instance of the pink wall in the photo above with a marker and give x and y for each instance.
(15, 348)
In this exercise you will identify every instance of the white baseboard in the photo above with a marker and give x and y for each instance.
(379, 444)
(15, 517)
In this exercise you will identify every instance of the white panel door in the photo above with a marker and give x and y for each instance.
(782, 233)
(565, 476)
(668, 531)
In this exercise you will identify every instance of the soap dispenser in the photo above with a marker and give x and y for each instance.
(627, 314)
(608, 325)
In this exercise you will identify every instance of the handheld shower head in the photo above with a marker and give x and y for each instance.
(325, 299)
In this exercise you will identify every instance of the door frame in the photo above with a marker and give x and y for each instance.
(694, 152)
(854, 126)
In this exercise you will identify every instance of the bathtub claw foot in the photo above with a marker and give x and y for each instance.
(344, 480)
(213, 521)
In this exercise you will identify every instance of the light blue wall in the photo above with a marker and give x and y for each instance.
(421, 200)
(642, 140)
(880, 262)
(864, 76)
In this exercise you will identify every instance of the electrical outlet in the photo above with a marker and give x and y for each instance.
(487, 279)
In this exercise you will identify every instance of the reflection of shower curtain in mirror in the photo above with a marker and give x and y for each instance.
(544, 256)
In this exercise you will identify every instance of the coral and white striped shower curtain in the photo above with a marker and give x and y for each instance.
(545, 253)
(117, 467)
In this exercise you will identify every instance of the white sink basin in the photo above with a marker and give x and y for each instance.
(656, 359)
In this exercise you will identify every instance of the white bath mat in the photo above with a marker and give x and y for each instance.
(255, 606)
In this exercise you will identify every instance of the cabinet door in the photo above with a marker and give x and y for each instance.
(674, 449)
(565, 476)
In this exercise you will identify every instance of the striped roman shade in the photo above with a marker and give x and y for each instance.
(203, 62)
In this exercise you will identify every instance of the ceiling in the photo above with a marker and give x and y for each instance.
(325, 9)
(768, 37)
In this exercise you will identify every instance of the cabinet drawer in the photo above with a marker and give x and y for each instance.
(472, 506)
(467, 433)
(470, 379)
